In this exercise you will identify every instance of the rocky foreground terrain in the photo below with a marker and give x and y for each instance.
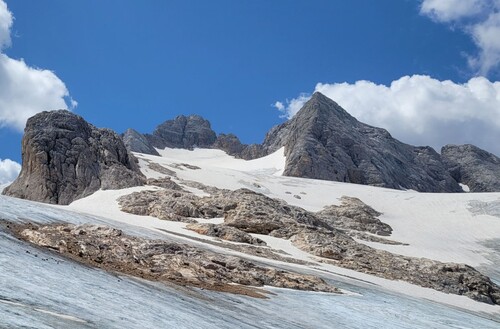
(327, 234)
(158, 260)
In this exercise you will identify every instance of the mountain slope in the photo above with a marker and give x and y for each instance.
(472, 166)
(323, 141)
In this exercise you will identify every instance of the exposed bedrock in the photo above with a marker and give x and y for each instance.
(64, 158)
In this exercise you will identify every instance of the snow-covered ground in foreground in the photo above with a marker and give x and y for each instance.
(47, 290)
(40, 289)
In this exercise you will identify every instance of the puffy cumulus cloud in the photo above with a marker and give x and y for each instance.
(452, 10)
(478, 18)
(421, 110)
(292, 106)
(25, 90)
(487, 37)
(8, 170)
(5, 25)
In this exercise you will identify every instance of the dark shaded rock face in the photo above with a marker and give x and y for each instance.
(323, 141)
(65, 158)
(183, 132)
(472, 166)
(229, 143)
(136, 142)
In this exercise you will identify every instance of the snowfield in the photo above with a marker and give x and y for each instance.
(39, 289)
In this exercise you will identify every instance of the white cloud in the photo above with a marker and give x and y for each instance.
(452, 10)
(5, 25)
(25, 90)
(279, 106)
(480, 19)
(420, 110)
(292, 106)
(8, 170)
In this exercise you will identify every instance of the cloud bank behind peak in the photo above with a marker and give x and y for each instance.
(420, 110)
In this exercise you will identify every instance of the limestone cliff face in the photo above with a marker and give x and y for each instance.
(183, 132)
(472, 166)
(323, 141)
(64, 158)
(136, 142)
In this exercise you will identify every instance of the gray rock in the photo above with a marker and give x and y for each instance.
(323, 141)
(183, 132)
(229, 143)
(64, 158)
(136, 142)
(225, 232)
(165, 261)
(459, 279)
(472, 166)
(354, 214)
(164, 182)
(250, 212)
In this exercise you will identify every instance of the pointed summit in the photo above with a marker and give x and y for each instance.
(323, 141)
(323, 107)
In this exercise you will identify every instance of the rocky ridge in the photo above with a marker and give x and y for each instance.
(183, 132)
(323, 141)
(356, 215)
(253, 213)
(64, 158)
(163, 261)
(472, 166)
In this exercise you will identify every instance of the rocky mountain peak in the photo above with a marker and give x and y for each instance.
(472, 166)
(64, 158)
(183, 132)
(323, 141)
(320, 110)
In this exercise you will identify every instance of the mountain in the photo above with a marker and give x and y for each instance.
(183, 132)
(323, 141)
(472, 166)
(64, 158)
(208, 231)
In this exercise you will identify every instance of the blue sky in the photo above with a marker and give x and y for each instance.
(138, 63)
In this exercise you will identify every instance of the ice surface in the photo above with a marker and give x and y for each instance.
(39, 289)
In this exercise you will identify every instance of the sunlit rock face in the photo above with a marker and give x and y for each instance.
(65, 158)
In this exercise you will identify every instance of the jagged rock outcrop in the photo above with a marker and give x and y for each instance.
(243, 209)
(64, 158)
(354, 214)
(459, 279)
(164, 261)
(323, 141)
(327, 237)
(231, 144)
(136, 142)
(183, 132)
(225, 232)
(472, 166)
